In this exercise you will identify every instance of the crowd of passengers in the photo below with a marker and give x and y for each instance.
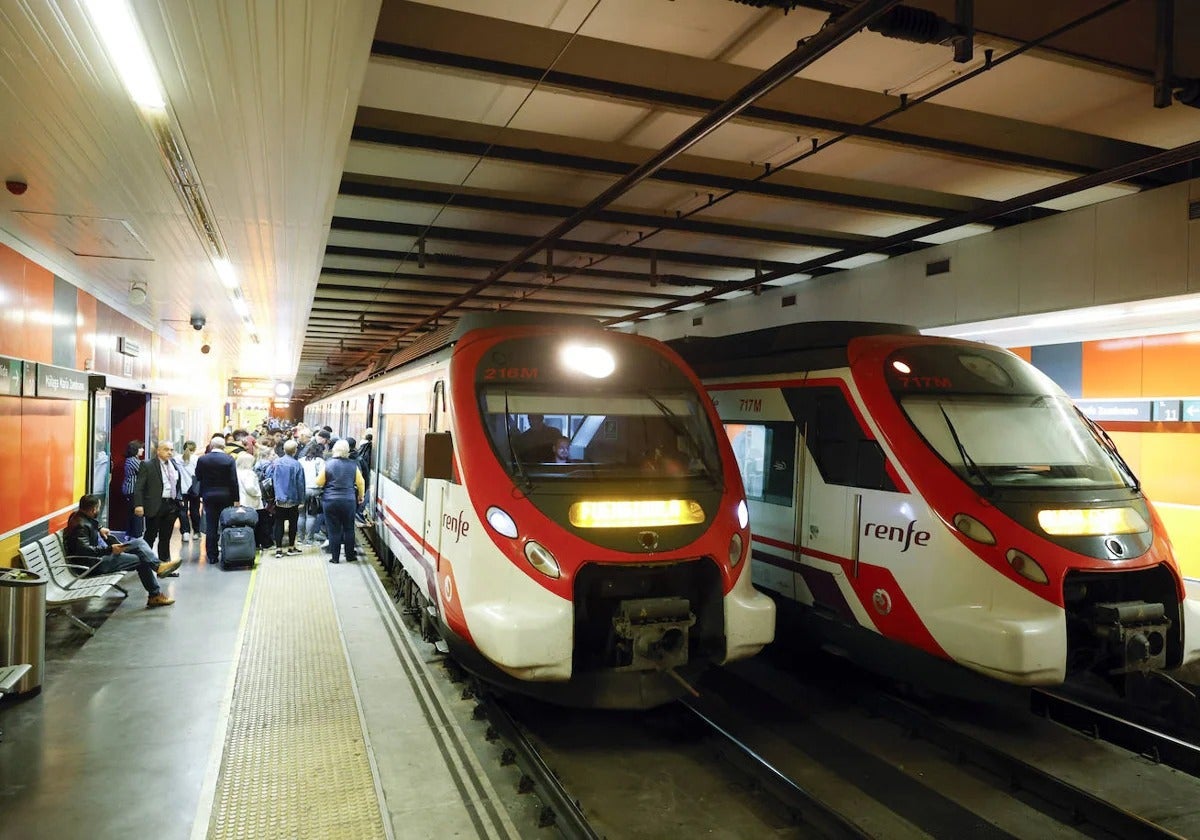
(306, 486)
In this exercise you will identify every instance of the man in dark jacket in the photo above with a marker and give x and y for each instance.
(216, 473)
(86, 539)
(157, 494)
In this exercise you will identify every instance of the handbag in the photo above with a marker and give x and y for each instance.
(312, 504)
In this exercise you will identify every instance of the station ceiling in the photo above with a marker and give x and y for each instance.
(373, 169)
(485, 125)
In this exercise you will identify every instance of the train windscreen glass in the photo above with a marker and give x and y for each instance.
(646, 435)
(1000, 423)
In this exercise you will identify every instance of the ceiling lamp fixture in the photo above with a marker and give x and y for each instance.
(118, 31)
(137, 293)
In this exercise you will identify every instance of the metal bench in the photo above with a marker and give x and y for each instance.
(10, 675)
(68, 575)
(58, 598)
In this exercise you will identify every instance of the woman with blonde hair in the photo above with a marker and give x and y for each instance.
(344, 488)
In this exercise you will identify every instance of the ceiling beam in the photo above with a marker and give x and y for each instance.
(404, 131)
(388, 281)
(368, 186)
(518, 53)
(476, 236)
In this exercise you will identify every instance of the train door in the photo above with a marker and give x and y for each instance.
(129, 421)
(830, 504)
(435, 497)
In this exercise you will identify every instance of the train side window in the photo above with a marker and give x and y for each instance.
(765, 454)
(403, 451)
(843, 452)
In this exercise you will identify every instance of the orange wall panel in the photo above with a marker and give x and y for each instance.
(1170, 366)
(47, 457)
(1025, 353)
(1112, 368)
(11, 489)
(1170, 467)
(12, 299)
(39, 314)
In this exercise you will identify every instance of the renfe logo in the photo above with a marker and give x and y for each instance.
(894, 533)
(456, 525)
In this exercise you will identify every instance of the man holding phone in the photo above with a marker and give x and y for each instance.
(85, 538)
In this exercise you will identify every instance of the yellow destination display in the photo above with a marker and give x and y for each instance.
(635, 513)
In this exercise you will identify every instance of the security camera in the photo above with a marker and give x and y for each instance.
(205, 348)
(198, 322)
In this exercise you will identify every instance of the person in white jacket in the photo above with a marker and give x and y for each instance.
(250, 495)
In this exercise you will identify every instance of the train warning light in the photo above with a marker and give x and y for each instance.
(595, 362)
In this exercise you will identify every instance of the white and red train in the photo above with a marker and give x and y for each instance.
(604, 571)
(946, 496)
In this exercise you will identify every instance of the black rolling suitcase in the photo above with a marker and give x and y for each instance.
(237, 543)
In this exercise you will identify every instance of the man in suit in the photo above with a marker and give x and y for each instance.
(216, 473)
(157, 494)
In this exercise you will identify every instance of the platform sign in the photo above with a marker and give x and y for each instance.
(11, 374)
(60, 383)
(1191, 411)
(1168, 410)
(1126, 411)
(241, 387)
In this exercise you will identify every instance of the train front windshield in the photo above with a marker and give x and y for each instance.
(999, 423)
(646, 435)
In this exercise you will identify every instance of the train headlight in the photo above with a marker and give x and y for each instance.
(595, 362)
(541, 559)
(1026, 566)
(501, 522)
(735, 550)
(743, 514)
(635, 513)
(972, 528)
(1090, 522)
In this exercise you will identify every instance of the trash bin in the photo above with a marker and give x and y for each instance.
(23, 625)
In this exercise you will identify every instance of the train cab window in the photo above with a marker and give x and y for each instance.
(843, 452)
(766, 454)
(549, 435)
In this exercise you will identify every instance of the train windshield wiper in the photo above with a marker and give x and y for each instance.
(968, 461)
(1107, 444)
(517, 466)
(680, 428)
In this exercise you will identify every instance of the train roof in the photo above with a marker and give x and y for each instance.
(808, 345)
(434, 341)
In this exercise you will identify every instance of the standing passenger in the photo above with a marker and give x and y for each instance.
(288, 477)
(134, 453)
(216, 473)
(157, 492)
(314, 468)
(250, 494)
(344, 489)
(189, 512)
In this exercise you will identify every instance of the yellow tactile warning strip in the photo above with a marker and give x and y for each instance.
(296, 762)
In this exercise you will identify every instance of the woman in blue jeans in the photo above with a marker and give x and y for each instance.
(344, 488)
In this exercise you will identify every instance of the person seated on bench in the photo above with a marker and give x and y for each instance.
(85, 538)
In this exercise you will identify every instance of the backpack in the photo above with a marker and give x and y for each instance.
(266, 483)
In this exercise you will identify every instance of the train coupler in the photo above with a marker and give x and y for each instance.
(1135, 633)
(652, 633)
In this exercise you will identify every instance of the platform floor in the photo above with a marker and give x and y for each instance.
(284, 702)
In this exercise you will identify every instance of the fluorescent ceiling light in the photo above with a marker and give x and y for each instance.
(859, 261)
(684, 307)
(226, 273)
(790, 280)
(960, 232)
(653, 315)
(126, 49)
(736, 293)
(240, 307)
